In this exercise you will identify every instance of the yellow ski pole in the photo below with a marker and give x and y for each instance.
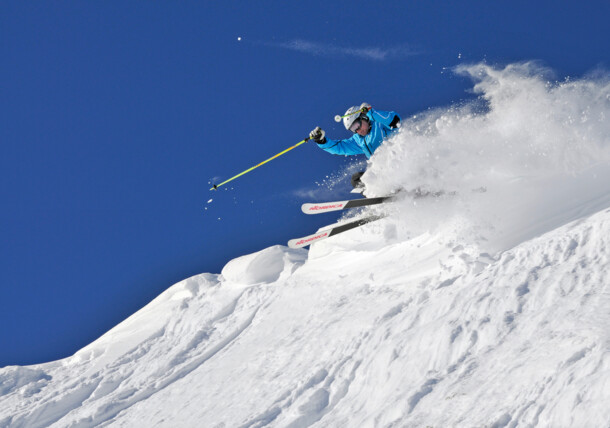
(216, 186)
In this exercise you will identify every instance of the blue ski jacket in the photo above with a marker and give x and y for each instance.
(355, 145)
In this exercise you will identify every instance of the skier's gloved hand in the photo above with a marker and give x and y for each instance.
(395, 122)
(365, 107)
(318, 135)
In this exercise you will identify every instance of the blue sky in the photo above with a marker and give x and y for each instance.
(117, 116)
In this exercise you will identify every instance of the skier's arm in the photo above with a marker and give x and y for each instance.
(337, 147)
(387, 118)
(341, 147)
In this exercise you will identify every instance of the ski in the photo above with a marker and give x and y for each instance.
(330, 231)
(325, 207)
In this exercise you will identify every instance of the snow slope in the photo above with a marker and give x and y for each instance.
(489, 306)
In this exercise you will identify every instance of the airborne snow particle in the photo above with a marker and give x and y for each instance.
(210, 200)
(239, 39)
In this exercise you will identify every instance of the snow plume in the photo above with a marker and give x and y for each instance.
(527, 148)
(326, 188)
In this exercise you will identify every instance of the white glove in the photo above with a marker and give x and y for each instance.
(317, 135)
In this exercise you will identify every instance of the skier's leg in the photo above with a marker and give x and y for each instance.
(356, 182)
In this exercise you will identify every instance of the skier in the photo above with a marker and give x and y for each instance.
(370, 127)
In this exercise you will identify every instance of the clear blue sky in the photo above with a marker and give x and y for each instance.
(116, 116)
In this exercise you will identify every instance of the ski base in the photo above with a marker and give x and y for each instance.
(325, 207)
(332, 231)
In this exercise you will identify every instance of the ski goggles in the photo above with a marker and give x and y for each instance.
(357, 124)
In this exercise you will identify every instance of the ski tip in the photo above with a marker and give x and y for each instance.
(293, 243)
(308, 240)
(323, 207)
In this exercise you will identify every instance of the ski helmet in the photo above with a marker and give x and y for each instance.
(351, 115)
